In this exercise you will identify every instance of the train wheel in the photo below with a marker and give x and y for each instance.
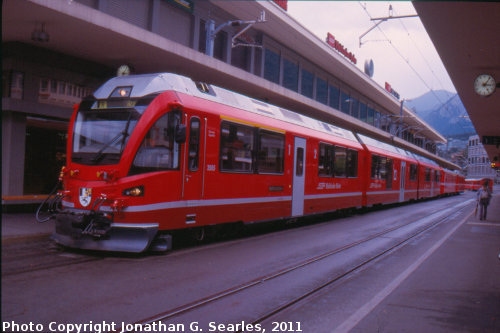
(198, 234)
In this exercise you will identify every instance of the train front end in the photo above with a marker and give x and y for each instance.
(106, 132)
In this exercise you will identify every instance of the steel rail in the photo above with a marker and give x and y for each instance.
(234, 290)
(352, 270)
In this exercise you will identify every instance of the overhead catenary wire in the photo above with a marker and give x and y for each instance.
(443, 105)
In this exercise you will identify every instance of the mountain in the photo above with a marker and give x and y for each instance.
(444, 111)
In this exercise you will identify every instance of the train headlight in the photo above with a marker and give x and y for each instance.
(136, 191)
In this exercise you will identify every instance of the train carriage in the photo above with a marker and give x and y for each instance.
(389, 173)
(429, 174)
(149, 154)
(448, 182)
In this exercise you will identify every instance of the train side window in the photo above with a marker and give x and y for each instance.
(340, 162)
(158, 150)
(352, 163)
(270, 156)
(427, 174)
(326, 158)
(194, 144)
(378, 168)
(237, 143)
(388, 172)
(437, 176)
(413, 172)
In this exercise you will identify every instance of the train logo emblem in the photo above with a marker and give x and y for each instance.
(85, 196)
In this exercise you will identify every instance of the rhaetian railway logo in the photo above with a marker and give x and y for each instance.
(85, 196)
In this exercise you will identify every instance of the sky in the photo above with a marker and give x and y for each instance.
(402, 52)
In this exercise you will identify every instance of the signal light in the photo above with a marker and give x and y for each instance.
(121, 92)
(136, 191)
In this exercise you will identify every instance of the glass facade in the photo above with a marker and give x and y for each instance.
(290, 75)
(272, 66)
(306, 87)
(321, 91)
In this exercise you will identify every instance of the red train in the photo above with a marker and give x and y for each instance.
(149, 154)
(474, 184)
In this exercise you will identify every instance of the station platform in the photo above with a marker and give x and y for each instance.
(457, 289)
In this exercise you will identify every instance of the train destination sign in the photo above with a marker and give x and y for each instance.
(330, 40)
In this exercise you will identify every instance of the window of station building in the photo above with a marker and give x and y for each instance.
(363, 112)
(272, 66)
(290, 75)
(345, 102)
(354, 107)
(413, 172)
(334, 94)
(321, 91)
(370, 116)
(377, 119)
(307, 82)
(202, 39)
(237, 145)
(59, 92)
(12, 84)
(240, 57)
(220, 45)
(271, 153)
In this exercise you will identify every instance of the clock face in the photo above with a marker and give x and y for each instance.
(123, 70)
(484, 85)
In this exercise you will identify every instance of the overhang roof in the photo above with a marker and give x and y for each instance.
(83, 32)
(466, 36)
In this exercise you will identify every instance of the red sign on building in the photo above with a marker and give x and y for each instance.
(330, 40)
(282, 3)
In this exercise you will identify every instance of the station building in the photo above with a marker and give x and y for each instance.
(479, 164)
(54, 52)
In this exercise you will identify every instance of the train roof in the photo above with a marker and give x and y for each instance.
(146, 84)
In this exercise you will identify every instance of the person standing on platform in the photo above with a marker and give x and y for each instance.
(483, 198)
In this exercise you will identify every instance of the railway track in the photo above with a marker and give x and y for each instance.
(411, 230)
(40, 255)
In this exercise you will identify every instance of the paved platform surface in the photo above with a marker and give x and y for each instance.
(456, 290)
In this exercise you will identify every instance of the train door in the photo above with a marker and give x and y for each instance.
(298, 177)
(194, 161)
(402, 181)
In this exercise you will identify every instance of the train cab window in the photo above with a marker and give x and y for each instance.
(413, 172)
(237, 143)
(194, 144)
(352, 163)
(158, 150)
(271, 153)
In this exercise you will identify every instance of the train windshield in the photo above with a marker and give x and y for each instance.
(101, 132)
